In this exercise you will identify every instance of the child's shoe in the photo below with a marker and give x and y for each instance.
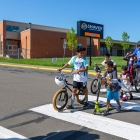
(118, 108)
(105, 113)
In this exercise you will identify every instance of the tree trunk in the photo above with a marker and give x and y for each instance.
(124, 52)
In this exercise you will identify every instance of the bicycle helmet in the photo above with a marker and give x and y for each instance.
(59, 81)
(124, 97)
(138, 44)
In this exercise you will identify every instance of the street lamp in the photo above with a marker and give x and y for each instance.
(30, 38)
(30, 24)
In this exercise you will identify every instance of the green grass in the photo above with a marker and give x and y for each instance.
(48, 61)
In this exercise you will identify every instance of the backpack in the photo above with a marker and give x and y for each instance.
(84, 63)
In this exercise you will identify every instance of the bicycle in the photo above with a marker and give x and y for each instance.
(60, 98)
(98, 81)
(136, 77)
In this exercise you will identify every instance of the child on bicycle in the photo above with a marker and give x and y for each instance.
(130, 68)
(107, 58)
(112, 86)
(126, 85)
(80, 68)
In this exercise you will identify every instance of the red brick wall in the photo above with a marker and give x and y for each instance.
(3, 32)
(49, 44)
(25, 43)
(96, 47)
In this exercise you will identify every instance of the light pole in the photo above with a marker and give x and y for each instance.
(30, 39)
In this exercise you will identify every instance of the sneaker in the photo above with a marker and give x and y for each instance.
(131, 97)
(86, 104)
(105, 113)
(118, 108)
(70, 107)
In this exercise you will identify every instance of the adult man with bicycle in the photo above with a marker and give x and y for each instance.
(137, 54)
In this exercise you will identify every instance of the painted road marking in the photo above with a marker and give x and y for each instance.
(126, 105)
(39, 68)
(51, 135)
(8, 134)
(99, 123)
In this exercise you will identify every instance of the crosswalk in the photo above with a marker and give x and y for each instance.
(95, 122)
(6, 134)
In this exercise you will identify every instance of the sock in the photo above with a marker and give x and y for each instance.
(86, 100)
(121, 93)
(72, 100)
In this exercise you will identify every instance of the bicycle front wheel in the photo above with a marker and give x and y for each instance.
(60, 100)
(94, 87)
(80, 96)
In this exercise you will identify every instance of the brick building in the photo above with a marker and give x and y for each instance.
(36, 41)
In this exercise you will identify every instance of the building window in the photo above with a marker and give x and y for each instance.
(10, 28)
(27, 28)
(103, 49)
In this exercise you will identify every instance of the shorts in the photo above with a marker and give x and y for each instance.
(79, 85)
(112, 95)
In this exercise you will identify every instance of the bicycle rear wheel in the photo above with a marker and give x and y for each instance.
(80, 96)
(94, 87)
(60, 99)
(137, 86)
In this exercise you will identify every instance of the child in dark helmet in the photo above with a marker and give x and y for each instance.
(80, 68)
(125, 80)
(130, 62)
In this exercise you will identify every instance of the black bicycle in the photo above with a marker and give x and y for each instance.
(98, 81)
(60, 98)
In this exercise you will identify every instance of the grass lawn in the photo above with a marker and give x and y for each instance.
(48, 61)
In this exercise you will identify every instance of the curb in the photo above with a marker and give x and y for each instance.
(40, 68)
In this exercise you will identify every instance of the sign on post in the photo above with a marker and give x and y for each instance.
(89, 29)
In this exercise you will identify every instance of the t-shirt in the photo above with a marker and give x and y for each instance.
(79, 64)
(137, 53)
(103, 63)
(114, 86)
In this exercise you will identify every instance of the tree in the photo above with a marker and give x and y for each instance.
(109, 43)
(125, 40)
(71, 39)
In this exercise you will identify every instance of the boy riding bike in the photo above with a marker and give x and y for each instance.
(80, 69)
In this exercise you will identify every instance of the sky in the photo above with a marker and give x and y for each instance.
(117, 16)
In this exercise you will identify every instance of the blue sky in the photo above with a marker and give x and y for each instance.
(117, 16)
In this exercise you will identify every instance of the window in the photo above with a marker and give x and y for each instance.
(27, 28)
(103, 49)
(10, 28)
(15, 29)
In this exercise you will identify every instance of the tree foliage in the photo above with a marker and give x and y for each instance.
(109, 42)
(125, 40)
(71, 39)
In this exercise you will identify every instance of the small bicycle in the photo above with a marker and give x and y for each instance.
(98, 81)
(60, 98)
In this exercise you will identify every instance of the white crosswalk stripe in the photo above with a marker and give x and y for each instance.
(99, 123)
(6, 134)
(126, 105)
(95, 122)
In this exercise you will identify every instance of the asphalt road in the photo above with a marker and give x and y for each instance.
(24, 89)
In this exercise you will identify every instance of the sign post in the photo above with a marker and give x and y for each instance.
(91, 30)
(64, 47)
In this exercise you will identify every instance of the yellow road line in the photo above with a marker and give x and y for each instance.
(40, 68)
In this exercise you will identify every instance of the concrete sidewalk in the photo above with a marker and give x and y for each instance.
(91, 72)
